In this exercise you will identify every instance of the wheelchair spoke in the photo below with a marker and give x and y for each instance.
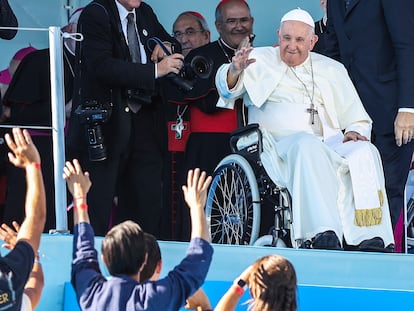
(231, 215)
(238, 190)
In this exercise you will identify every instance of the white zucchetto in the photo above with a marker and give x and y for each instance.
(300, 16)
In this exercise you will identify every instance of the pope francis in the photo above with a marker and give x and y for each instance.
(315, 135)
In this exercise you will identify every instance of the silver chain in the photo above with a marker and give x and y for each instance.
(311, 109)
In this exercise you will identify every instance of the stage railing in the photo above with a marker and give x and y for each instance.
(58, 121)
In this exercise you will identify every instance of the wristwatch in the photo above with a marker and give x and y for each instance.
(241, 283)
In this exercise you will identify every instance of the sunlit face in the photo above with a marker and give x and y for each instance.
(296, 40)
(236, 23)
(187, 30)
(130, 4)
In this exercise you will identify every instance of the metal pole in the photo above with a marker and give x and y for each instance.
(58, 125)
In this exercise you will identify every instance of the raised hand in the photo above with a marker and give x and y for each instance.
(195, 192)
(23, 151)
(78, 182)
(239, 62)
(9, 235)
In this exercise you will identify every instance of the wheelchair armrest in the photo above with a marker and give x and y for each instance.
(245, 131)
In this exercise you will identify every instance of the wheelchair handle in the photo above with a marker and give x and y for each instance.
(244, 131)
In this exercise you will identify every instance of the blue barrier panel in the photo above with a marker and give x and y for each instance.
(328, 280)
(310, 298)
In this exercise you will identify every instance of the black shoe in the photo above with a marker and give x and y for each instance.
(371, 245)
(374, 245)
(326, 240)
(306, 244)
(389, 248)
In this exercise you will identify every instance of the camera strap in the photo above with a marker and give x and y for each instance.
(160, 43)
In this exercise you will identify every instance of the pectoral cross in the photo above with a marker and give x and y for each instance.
(179, 127)
(312, 112)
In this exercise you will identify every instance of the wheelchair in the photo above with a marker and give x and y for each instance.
(241, 191)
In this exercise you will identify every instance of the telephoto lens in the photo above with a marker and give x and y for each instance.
(96, 147)
(92, 114)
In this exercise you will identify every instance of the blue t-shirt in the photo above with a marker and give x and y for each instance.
(15, 270)
(95, 292)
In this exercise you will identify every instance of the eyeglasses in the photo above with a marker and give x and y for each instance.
(235, 21)
(188, 33)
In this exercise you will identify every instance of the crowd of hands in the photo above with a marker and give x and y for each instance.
(24, 154)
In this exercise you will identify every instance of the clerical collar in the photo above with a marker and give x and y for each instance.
(227, 50)
(228, 46)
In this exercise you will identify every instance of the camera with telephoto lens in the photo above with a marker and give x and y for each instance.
(93, 114)
(199, 67)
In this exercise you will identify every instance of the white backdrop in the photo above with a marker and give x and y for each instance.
(45, 13)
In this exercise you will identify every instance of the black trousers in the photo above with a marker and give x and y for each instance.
(396, 162)
(205, 151)
(133, 176)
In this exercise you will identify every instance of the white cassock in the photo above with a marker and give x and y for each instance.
(334, 186)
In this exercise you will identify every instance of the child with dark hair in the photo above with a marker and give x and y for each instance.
(125, 253)
(153, 266)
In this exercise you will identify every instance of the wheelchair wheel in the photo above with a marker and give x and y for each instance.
(233, 203)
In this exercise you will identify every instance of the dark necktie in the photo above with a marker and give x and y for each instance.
(347, 3)
(133, 43)
(134, 50)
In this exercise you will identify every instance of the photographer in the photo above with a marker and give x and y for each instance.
(115, 125)
(208, 141)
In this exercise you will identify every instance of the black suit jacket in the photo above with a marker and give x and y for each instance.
(374, 39)
(104, 71)
(320, 31)
(28, 94)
